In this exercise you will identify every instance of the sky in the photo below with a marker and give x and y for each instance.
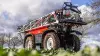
(17, 12)
(81, 2)
(14, 13)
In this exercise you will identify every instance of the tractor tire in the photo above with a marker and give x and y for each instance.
(51, 41)
(77, 43)
(29, 42)
(73, 42)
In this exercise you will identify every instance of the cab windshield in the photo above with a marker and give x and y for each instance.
(69, 14)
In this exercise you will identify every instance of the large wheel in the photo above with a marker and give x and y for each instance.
(73, 43)
(51, 41)
(29, 42)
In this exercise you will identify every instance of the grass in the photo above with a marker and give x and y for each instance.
(87, 51)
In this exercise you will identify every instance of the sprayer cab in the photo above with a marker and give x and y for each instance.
(69, 14)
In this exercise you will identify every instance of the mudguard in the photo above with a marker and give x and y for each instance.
(76, 32)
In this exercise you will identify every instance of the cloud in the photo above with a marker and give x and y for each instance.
(87, 13)
(95, 30)
(17, 12)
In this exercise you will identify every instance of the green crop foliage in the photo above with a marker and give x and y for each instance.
(87, 51)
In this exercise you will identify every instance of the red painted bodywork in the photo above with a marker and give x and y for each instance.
(38, 30)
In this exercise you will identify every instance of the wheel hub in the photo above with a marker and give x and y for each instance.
(29, 44)
(50, 43)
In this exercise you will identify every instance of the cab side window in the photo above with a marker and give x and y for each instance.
(51, 19)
